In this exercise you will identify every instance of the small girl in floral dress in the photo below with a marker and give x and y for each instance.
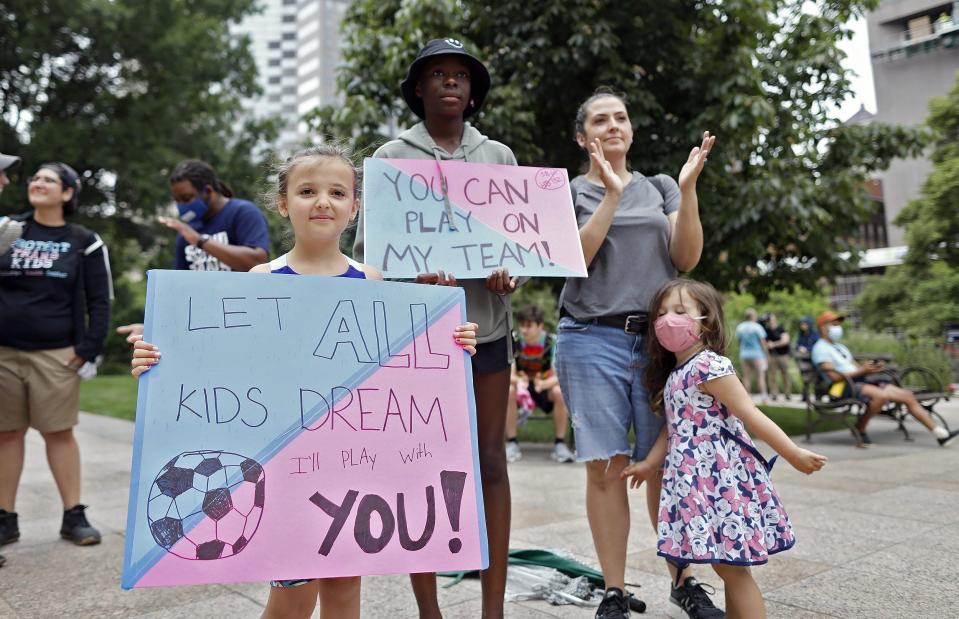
(717, 504)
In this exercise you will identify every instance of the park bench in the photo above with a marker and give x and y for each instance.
(922, 381)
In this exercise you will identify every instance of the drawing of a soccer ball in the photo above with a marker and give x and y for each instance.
(206, 504)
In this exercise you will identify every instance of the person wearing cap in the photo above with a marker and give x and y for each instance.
(864, 382)
(55, 291)
(10, 229)
(445, 86)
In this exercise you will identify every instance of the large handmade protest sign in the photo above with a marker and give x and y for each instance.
(490, 216)
(302, 427)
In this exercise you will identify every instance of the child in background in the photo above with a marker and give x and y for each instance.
(317, 191)
(533, 374)
(717, 505)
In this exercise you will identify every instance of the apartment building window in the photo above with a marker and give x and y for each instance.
(873, 233)
(274, 79)
(288, 36)
(289, 53)
(288, 19)
(273, 62)
(274, 45)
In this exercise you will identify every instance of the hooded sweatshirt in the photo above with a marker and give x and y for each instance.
(489, 310)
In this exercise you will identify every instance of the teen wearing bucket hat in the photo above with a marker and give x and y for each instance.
(444, 86)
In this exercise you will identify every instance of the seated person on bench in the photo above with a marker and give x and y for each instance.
(533, 376)
(848, 379)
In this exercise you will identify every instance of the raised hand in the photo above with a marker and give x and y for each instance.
(694, 164)
(611, 180)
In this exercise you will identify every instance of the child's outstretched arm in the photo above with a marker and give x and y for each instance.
(637, 472)
(729, 391)
(145, 355)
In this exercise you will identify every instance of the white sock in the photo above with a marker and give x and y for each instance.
(940, 432)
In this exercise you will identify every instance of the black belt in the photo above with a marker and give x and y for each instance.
(634, 324)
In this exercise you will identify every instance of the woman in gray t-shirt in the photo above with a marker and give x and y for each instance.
(636, 232)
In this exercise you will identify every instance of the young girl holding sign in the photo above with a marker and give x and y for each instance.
(446, 85)
(717, 504)
(317, 191)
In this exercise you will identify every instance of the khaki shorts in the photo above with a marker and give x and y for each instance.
(38, 390)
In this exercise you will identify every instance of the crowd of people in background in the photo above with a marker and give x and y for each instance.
(637, 365)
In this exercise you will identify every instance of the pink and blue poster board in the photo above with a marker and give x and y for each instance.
(491, 216)
(302, 427)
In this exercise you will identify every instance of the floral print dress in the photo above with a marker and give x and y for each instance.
(717, 503)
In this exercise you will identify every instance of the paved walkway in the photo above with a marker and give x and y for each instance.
(878, 533)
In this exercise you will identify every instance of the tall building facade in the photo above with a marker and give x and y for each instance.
(914, 46)
(296, 47)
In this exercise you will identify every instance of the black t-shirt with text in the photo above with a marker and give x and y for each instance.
(41, 288)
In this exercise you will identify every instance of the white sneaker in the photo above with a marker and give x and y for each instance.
(513, 452)
(561, 453)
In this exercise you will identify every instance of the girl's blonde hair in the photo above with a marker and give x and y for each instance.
(660, 362)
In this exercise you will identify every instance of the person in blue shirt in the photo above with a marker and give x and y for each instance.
(215, 231)
(752, 352)
(865, 382)
(808, 336)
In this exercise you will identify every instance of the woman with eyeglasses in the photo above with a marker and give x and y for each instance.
(55, 292)
(445, 85)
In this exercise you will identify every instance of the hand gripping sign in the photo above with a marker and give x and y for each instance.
(489, 216)
(302, 427)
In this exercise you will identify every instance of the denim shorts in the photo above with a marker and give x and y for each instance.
(600, 372)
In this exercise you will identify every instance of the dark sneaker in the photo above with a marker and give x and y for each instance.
(862, 439)
(613, 606)
(9, 529)
(691, 601)
(77, 529)
(947, 440)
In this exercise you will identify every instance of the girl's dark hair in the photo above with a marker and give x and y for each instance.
(200, 174)
(69, 179)
(600, 93)
(327, 150)
(660, 362)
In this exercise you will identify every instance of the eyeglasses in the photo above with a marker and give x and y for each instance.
(46, 180)
(457, 75)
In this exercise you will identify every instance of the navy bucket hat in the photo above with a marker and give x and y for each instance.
(479, 75)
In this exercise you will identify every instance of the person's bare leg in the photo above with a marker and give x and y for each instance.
(744, 600)
(908, 398)
(877, 399)
(492, 393)
(63, 455)
(607, 509)
(424, 589)
(761, 375)
(12, 449)
(292, 602)
(560, 414)
(512, 414)
(748, 375)
(340, 598)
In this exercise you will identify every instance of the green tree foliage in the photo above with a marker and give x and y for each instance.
(931, 270)
(783, 185)
(123, 90)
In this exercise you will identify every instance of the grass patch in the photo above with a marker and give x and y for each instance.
(110, 395)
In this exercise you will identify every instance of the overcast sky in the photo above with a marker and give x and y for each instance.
(857, 50)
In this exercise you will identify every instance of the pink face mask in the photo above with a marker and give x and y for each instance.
(676, 331)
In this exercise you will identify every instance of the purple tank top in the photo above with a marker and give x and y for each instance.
(281, 266)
